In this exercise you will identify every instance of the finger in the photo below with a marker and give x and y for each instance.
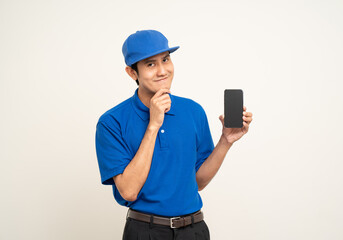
(246, 126)
(247, 114)
(247, 119)
(165, 102)
(244, 108)
(163, 97)
(165, 105)
(161, 92)
(221, 118)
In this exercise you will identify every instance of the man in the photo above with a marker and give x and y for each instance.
(156, 149)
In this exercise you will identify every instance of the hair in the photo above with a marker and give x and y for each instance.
(134, 67)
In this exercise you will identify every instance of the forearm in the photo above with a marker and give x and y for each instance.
(212, 164)
(130, 182)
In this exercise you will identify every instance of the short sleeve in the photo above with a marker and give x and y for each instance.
(205, 144)
(112, 152)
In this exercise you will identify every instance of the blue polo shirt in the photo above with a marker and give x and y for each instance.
(182, 144)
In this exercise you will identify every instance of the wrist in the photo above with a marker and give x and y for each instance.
(223, 140)
(153, 128)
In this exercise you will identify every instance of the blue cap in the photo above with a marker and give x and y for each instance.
(144, 44)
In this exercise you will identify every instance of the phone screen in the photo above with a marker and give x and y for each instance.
(233, 108)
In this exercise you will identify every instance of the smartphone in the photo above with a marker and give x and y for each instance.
(233, 108)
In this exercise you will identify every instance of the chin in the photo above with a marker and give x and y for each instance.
(163, 85)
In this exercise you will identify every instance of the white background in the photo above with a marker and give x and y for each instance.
(62, 67)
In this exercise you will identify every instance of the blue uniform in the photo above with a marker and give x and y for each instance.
(183, 143)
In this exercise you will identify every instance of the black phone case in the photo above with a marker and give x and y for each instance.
(233, 108)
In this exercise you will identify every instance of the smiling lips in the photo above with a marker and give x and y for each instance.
(161, 79)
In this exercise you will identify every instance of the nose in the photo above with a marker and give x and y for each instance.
(161, 70)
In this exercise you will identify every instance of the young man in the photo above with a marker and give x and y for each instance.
(156, 149)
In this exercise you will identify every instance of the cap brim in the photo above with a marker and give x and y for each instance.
(173, 49)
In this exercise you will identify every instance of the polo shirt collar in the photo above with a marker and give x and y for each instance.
(143, 111)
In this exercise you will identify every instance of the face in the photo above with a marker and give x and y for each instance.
(154, 73)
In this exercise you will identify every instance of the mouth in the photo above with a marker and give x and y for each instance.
(161, 80)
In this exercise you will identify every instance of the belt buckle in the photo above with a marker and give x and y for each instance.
(171, 221)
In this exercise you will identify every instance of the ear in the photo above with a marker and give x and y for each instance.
(132, 73)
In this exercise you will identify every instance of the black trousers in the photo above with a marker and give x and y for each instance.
(137, 230)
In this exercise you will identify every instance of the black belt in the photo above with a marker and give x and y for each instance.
(173, 222)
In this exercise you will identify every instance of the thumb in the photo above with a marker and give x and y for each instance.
(221, 118)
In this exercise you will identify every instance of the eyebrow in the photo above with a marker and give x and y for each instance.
(153, 60)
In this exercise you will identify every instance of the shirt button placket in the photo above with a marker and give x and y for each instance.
(163, 138)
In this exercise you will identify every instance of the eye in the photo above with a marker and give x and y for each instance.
(150, 64)
(166, 60)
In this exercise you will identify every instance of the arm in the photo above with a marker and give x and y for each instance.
(212, 164)
(131, 181)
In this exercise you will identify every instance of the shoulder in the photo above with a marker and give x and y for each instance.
(184, 103)
(117, 113)
(187, 102)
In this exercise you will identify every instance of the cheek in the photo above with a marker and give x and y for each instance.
(147, 75)
(171, 69)
(150, 75)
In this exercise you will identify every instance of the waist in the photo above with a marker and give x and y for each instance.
(172, 222)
